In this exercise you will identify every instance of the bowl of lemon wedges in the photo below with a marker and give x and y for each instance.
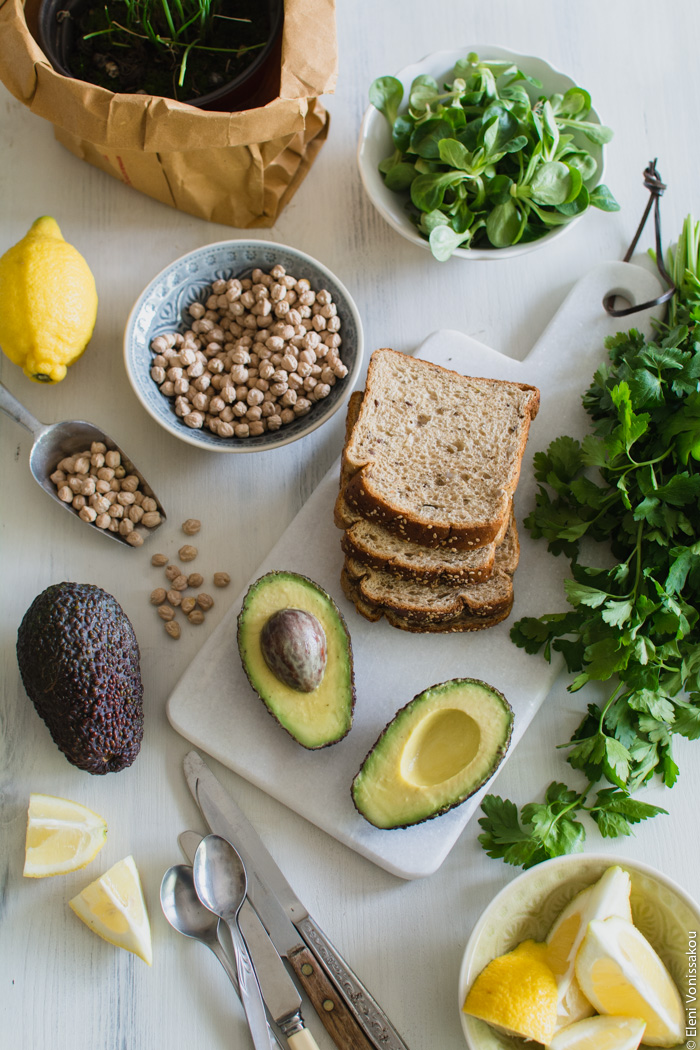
(582, 953)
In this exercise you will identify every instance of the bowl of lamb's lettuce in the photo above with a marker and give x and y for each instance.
(482, 153)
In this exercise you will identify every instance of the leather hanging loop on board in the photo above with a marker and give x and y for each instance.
(652, 181)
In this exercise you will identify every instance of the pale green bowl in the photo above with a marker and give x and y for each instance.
(527, 907)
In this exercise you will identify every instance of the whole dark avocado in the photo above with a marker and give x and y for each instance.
(79, 661)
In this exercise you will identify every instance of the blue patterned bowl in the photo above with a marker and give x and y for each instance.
(527, 907)
(162, 307)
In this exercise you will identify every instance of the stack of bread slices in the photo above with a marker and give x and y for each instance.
(430, 464)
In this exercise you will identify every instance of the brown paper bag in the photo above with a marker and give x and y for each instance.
(238, 168)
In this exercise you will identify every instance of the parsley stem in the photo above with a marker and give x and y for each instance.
(611, 698)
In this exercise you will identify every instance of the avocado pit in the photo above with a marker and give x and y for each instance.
(293, 645)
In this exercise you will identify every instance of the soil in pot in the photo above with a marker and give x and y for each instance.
(101, 42)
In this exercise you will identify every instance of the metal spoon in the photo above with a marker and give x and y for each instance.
(221, 884)
(186, 914)
(53, 442)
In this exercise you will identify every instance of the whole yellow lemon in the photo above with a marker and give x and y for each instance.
(48, 303)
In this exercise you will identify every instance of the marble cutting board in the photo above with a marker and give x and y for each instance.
(214, 707)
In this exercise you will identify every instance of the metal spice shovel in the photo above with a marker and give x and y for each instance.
(55, 442)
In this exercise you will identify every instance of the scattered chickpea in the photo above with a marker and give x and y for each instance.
(173, 629)
(187, 553)
(196, 616)
(172, 572)
(195, 579)
(159, 559)
(221, 579)
(205, 601)
(158, 596)
(180, 583)
(166, 612)
(188, 605)
(174, 597)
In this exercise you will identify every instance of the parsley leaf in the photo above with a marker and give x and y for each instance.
(632, 486)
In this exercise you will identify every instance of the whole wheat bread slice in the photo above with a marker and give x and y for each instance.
(374, 544)
(413, 599)
(435, 456)
(405, 622)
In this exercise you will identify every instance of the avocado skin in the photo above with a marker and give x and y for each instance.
(386, 734)
(79, 661)
(249, 658)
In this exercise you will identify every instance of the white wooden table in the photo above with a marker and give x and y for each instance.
(61, 987)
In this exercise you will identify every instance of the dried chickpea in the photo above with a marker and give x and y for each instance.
(158, 596)
(205, 601)
(187, 552)
(195, 579)
(159, 559)
(151, 518)
(166, 612)
(221, 579)
(174, 597)
(135, 539)
(196, 616)
(179, 583)
(172, 572)
(188, 604)
(241, 333)
(173, 629)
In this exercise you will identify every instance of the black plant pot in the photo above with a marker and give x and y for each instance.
(253, 86)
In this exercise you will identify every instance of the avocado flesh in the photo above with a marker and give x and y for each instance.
(79, 661)
(323, 716)
(436, 752)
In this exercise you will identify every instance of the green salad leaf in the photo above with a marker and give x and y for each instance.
(500, 165)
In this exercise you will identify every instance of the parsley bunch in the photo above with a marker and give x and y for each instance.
(633, 487)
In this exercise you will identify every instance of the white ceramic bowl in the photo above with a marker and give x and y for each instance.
(527, 907)
(162, 307)
(375, 144)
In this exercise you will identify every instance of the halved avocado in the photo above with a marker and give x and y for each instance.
(318, 716)
(436, 752)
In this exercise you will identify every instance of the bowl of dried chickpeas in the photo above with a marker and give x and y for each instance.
(243, 346)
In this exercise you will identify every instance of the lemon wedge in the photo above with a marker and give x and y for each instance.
(620, 973)
(61, 836)
(610, 895)
(114, 908)
(517, 994)
(600, 1033)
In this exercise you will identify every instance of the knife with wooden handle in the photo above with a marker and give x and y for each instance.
(279, 992)
(335, 991)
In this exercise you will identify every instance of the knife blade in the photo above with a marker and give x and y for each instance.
(279, 991)
(292, 930)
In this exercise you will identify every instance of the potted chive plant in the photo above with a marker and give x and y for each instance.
(184, 151)
(207, 53)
